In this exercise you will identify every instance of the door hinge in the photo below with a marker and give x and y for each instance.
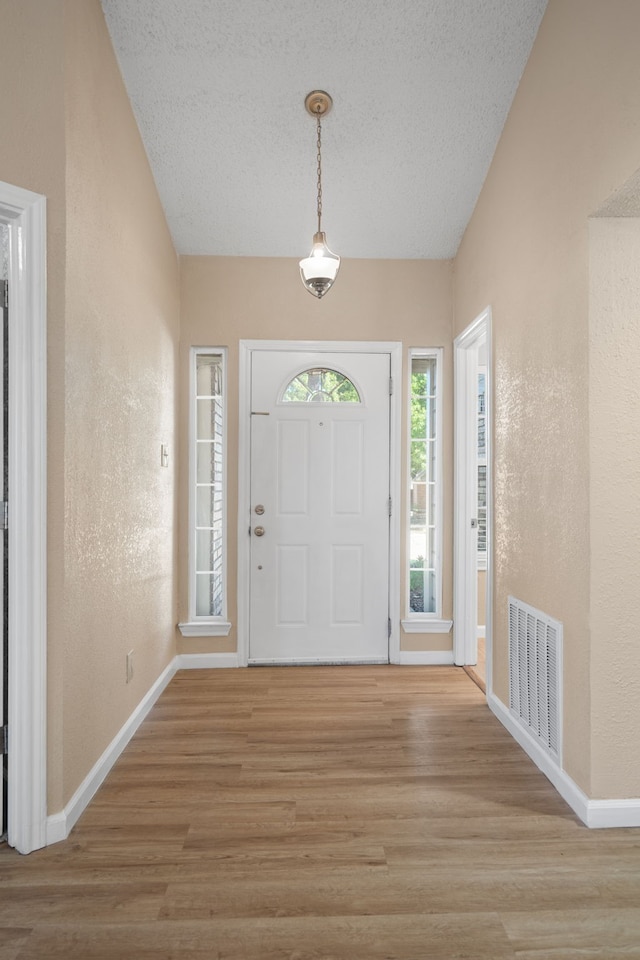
(389, 628)
(390, 505)
(4, 741)
(6, 296)
(4, 515)
(390, 386)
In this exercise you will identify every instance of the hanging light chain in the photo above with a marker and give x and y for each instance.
(319, 159)
(319, 270)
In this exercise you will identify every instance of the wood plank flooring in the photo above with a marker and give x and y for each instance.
(325, 813)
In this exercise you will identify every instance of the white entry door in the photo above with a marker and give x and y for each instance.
(319, 573)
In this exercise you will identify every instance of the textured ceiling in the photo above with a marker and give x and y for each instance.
(421, 91)
(625, 202)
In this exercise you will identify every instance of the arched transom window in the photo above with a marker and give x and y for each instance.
(321, 385)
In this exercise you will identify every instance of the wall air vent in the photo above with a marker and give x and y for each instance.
(535, 675)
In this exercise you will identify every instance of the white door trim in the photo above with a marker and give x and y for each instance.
(27, 398)
(246, 348)
(466, 430)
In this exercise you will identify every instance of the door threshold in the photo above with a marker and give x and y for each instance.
(316, 662)
(475, 676)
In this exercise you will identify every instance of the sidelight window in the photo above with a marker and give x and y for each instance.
(424, 573)
(207, 573)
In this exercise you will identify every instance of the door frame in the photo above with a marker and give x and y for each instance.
(246, 349)
(465, 567)
(27, 475)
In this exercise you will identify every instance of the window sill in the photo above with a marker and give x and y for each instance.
(205, 628)
(426, 626)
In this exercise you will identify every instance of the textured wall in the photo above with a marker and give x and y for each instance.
(121, 336)
(614, 433)
(32, 156)
(225, 300)
(112, 285)
(572, 137)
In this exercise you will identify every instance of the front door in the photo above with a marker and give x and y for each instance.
(319, 574)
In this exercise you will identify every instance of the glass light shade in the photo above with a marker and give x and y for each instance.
(320, 268)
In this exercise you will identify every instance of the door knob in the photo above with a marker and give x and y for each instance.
(258, 531)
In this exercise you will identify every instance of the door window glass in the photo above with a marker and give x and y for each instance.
(321, 385)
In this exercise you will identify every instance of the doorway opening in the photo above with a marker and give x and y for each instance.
(472, 521)
(23, 214)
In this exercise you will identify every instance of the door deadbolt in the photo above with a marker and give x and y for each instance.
(258, 531)
(259, 509)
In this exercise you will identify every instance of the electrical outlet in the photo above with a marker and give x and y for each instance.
(130, 666)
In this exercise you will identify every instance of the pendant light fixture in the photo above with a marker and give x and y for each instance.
(320, 268)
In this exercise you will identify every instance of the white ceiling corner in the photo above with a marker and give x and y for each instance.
(421, 91)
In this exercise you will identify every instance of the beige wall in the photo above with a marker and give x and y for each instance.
(614, 404)
(69, 133)
(32, 156)
(121, 336)
(225, 300)
(571, 138)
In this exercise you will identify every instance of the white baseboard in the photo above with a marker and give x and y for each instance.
(438, 658)
(59, 825)
(593, 813)
(56, 827)
(205, 661)
(614, 813)
(314, 661)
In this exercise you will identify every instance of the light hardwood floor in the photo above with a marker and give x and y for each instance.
(327, 813)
